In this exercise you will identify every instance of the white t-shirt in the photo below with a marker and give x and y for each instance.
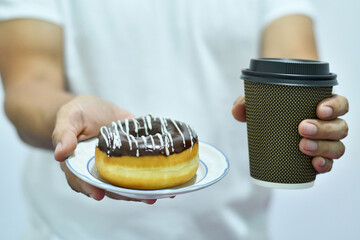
(180, 59)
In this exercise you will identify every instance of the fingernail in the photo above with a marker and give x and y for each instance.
(310, 145)
(322, 162)
(310, 129)
(327, 111)
(58, 146)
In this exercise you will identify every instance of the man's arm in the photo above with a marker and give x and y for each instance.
(31, 66)
(289, 37)
(44, 114)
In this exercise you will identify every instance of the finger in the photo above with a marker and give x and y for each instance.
(65, 144)
(79, 185)
(119, 197)
(149, 201)
(333, 107)
(319, 129)
(327, 149)
(65, 135)
(322, 165)
(239, 109)
(121, 114)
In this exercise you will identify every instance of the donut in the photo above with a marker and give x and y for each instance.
(147, 153)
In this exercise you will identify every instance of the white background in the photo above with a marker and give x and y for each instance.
(330, 210)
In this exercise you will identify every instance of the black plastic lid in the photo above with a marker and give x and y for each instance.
(284, 71)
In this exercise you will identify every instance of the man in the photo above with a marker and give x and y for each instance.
(69, 67)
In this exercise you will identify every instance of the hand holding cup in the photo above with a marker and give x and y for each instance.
(329, 130)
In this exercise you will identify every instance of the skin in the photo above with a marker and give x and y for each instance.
(31, 64)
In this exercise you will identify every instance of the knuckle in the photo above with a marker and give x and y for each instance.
(330, 128)
(72, 186)
(335, 130)
(327, 130)
(331, 149)
(342, 149)
(55, 137)
(329, 165)
(74, 189)
(345, 129)
(62, 109)
(341, 104)
(336, 106)
(339, 151)
(346, 107)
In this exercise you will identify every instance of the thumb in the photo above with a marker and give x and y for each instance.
(239, 109)
(65, 135)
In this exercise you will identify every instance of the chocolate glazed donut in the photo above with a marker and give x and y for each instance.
(147, 153)
(146, 136)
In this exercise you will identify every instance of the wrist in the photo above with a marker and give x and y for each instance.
(32, 109)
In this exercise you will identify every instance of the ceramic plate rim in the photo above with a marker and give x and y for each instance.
(159, 192)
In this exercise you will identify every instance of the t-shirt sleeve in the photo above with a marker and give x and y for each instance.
(47, 10)
(274, 9)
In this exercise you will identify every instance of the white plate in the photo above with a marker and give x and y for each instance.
(213, 166)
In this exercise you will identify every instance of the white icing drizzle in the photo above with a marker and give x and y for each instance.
(136, 125)
(182, 135)
(165, 131)
(136, 144)
(160, 138)
(145, 126)
(144, 140)
(171, 142)
(152, 141)
(191, 138)
(120, 126)
(148, 120)
(162, 143)
(111, 134)
(105, 136)
(127, 135)
(127, 126)
(116, 136)
(163, 128)
(166, 146)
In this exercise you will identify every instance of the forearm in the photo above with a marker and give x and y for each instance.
(32, 108)
(290, 37)
(31, 67)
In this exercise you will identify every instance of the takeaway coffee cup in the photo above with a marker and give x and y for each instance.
(279, 94)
